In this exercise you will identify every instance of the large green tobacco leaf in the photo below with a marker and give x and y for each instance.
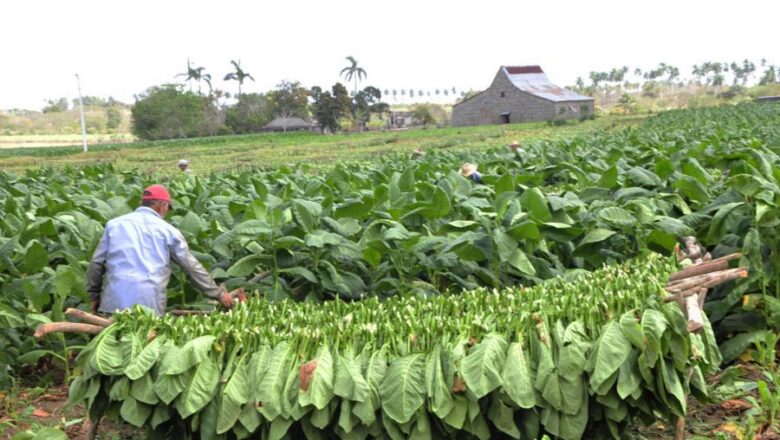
(725, 219)
(617, 216)
(135, 412)
(653, 326)
(534, 201)
(109, 354)
(403, 389)
(143, 390)
(572, 354)
(643, 177)
(596, 236)
(169, 387)
(306, 213)
(564, 395)
(629, 378)
(236, 393)
(505, 245)
(319, 391)
(142, 363)
(502, 417)
(736, 346)
(200, 390)
(516, 377)
(519, 260)
(613, 349)
(481, 368)
(191, 354)
(36, 257)
(374, 364)
(437, 386)
(349, 382)
(271, 386)
(245, 266)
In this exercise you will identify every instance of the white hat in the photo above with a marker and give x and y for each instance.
(467, 169)
(183, 162)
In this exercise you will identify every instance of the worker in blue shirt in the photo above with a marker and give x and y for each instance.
(132, 263)
(469, 171)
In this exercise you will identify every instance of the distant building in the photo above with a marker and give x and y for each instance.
(401, 119)
(289, 124)
(520, 94)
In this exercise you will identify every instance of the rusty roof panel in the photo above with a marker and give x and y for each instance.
(518, 70)
(532, 80)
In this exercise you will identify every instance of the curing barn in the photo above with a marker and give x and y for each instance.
(520, 94)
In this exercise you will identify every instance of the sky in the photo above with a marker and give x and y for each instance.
(121, 48)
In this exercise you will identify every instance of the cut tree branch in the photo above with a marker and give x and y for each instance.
(88, 317)
(66, 327)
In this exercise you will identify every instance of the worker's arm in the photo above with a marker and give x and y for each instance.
(181, 255)
(97, 267)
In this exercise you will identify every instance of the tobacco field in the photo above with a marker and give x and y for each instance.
(397, 232)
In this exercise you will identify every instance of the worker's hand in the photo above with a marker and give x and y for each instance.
(95, 305)
(226, 300)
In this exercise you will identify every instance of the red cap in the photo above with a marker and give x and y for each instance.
(156, 192)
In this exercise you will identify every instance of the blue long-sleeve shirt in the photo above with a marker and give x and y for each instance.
(132, 263)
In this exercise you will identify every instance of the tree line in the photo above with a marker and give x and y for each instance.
(174, 111)
(708, 73)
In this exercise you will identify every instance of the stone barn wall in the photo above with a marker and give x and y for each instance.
(503, 97)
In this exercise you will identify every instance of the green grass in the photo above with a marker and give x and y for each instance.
(276, 149)
(51, 140)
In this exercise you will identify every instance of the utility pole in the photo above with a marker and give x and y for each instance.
(81, 104)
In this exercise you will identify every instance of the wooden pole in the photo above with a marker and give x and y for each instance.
(687, 283)
(698, 269)
(67, 327)
(88, 317)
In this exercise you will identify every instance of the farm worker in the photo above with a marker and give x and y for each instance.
(418, 153)
(184, 166)
(516, 147)
(469, 170)
(134, 256)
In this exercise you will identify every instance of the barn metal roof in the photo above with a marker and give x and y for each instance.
(532, 80)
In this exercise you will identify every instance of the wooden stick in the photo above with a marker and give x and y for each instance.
(88, 317)
(679, 429)
(260, 276)
(67, 327)
(702, 298)
(688, 283)
(696, 268)
(742, 273)
(693, 249)
(695, 319)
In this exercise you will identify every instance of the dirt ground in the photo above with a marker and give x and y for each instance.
(33, 409)
(722, 417)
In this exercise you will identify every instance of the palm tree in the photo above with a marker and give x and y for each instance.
(190, 74)
(196, 73)
(239, 75)
(353, 71)
(205, 77)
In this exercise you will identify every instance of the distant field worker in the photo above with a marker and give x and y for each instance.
(418, 153)
(516, 147)
(184, 166)
(132, 262)
(469, 170)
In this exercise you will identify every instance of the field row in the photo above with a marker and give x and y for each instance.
(272, 150)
